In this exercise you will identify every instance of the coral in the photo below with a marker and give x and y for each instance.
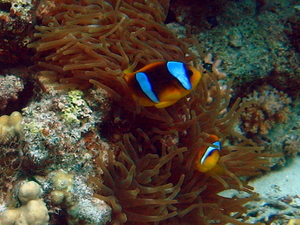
(29, 191)
(294, 222)
(273, 206)
(76, 110)
(293, 33)
(10, 126)
(62, 183)
(10, 88)
(291, 145)
(253, 39)
(87, 207)
(10, 163)
(200, 14)
(50, 142)
(92, 210)
(278, 140)
(271, 210)
(269, 106)
(47, 129)
(33, 210)
(16, 22)
(80, 205)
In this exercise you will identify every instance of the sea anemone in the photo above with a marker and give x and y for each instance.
(151, 178)
(99, 39)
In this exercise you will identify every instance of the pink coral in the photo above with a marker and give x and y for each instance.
(268, 106)
(10, 87)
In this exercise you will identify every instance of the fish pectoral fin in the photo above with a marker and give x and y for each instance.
(165, 104)
(168, 98)
(173, 95)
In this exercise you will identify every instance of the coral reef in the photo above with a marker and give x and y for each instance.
(269, 107)
(234, 31)
(266, 210)
(53, 128)
(267, 119)
(33, 210)
(278, 140)
(269, 209)
(202, 15)
(16, 22)
(143, 171)
(10, 138)
(151, 178)
(51, 139)
(54, 131)
(10, 88)
(62, 183)
(291, 144)
(75, 197)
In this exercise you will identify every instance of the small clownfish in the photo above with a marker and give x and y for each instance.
(161, 84)
(206, 161)
(208, 156)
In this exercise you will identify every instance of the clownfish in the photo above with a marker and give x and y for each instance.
(208, 156)
(161, 84)
(206, 161)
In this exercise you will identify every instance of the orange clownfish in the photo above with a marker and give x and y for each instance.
(161, 84)
(208, 156)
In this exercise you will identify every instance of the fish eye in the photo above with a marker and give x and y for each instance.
(189, 73)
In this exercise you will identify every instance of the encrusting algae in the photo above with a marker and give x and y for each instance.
(149, 176)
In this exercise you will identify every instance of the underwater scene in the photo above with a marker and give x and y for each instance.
(149, 112)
